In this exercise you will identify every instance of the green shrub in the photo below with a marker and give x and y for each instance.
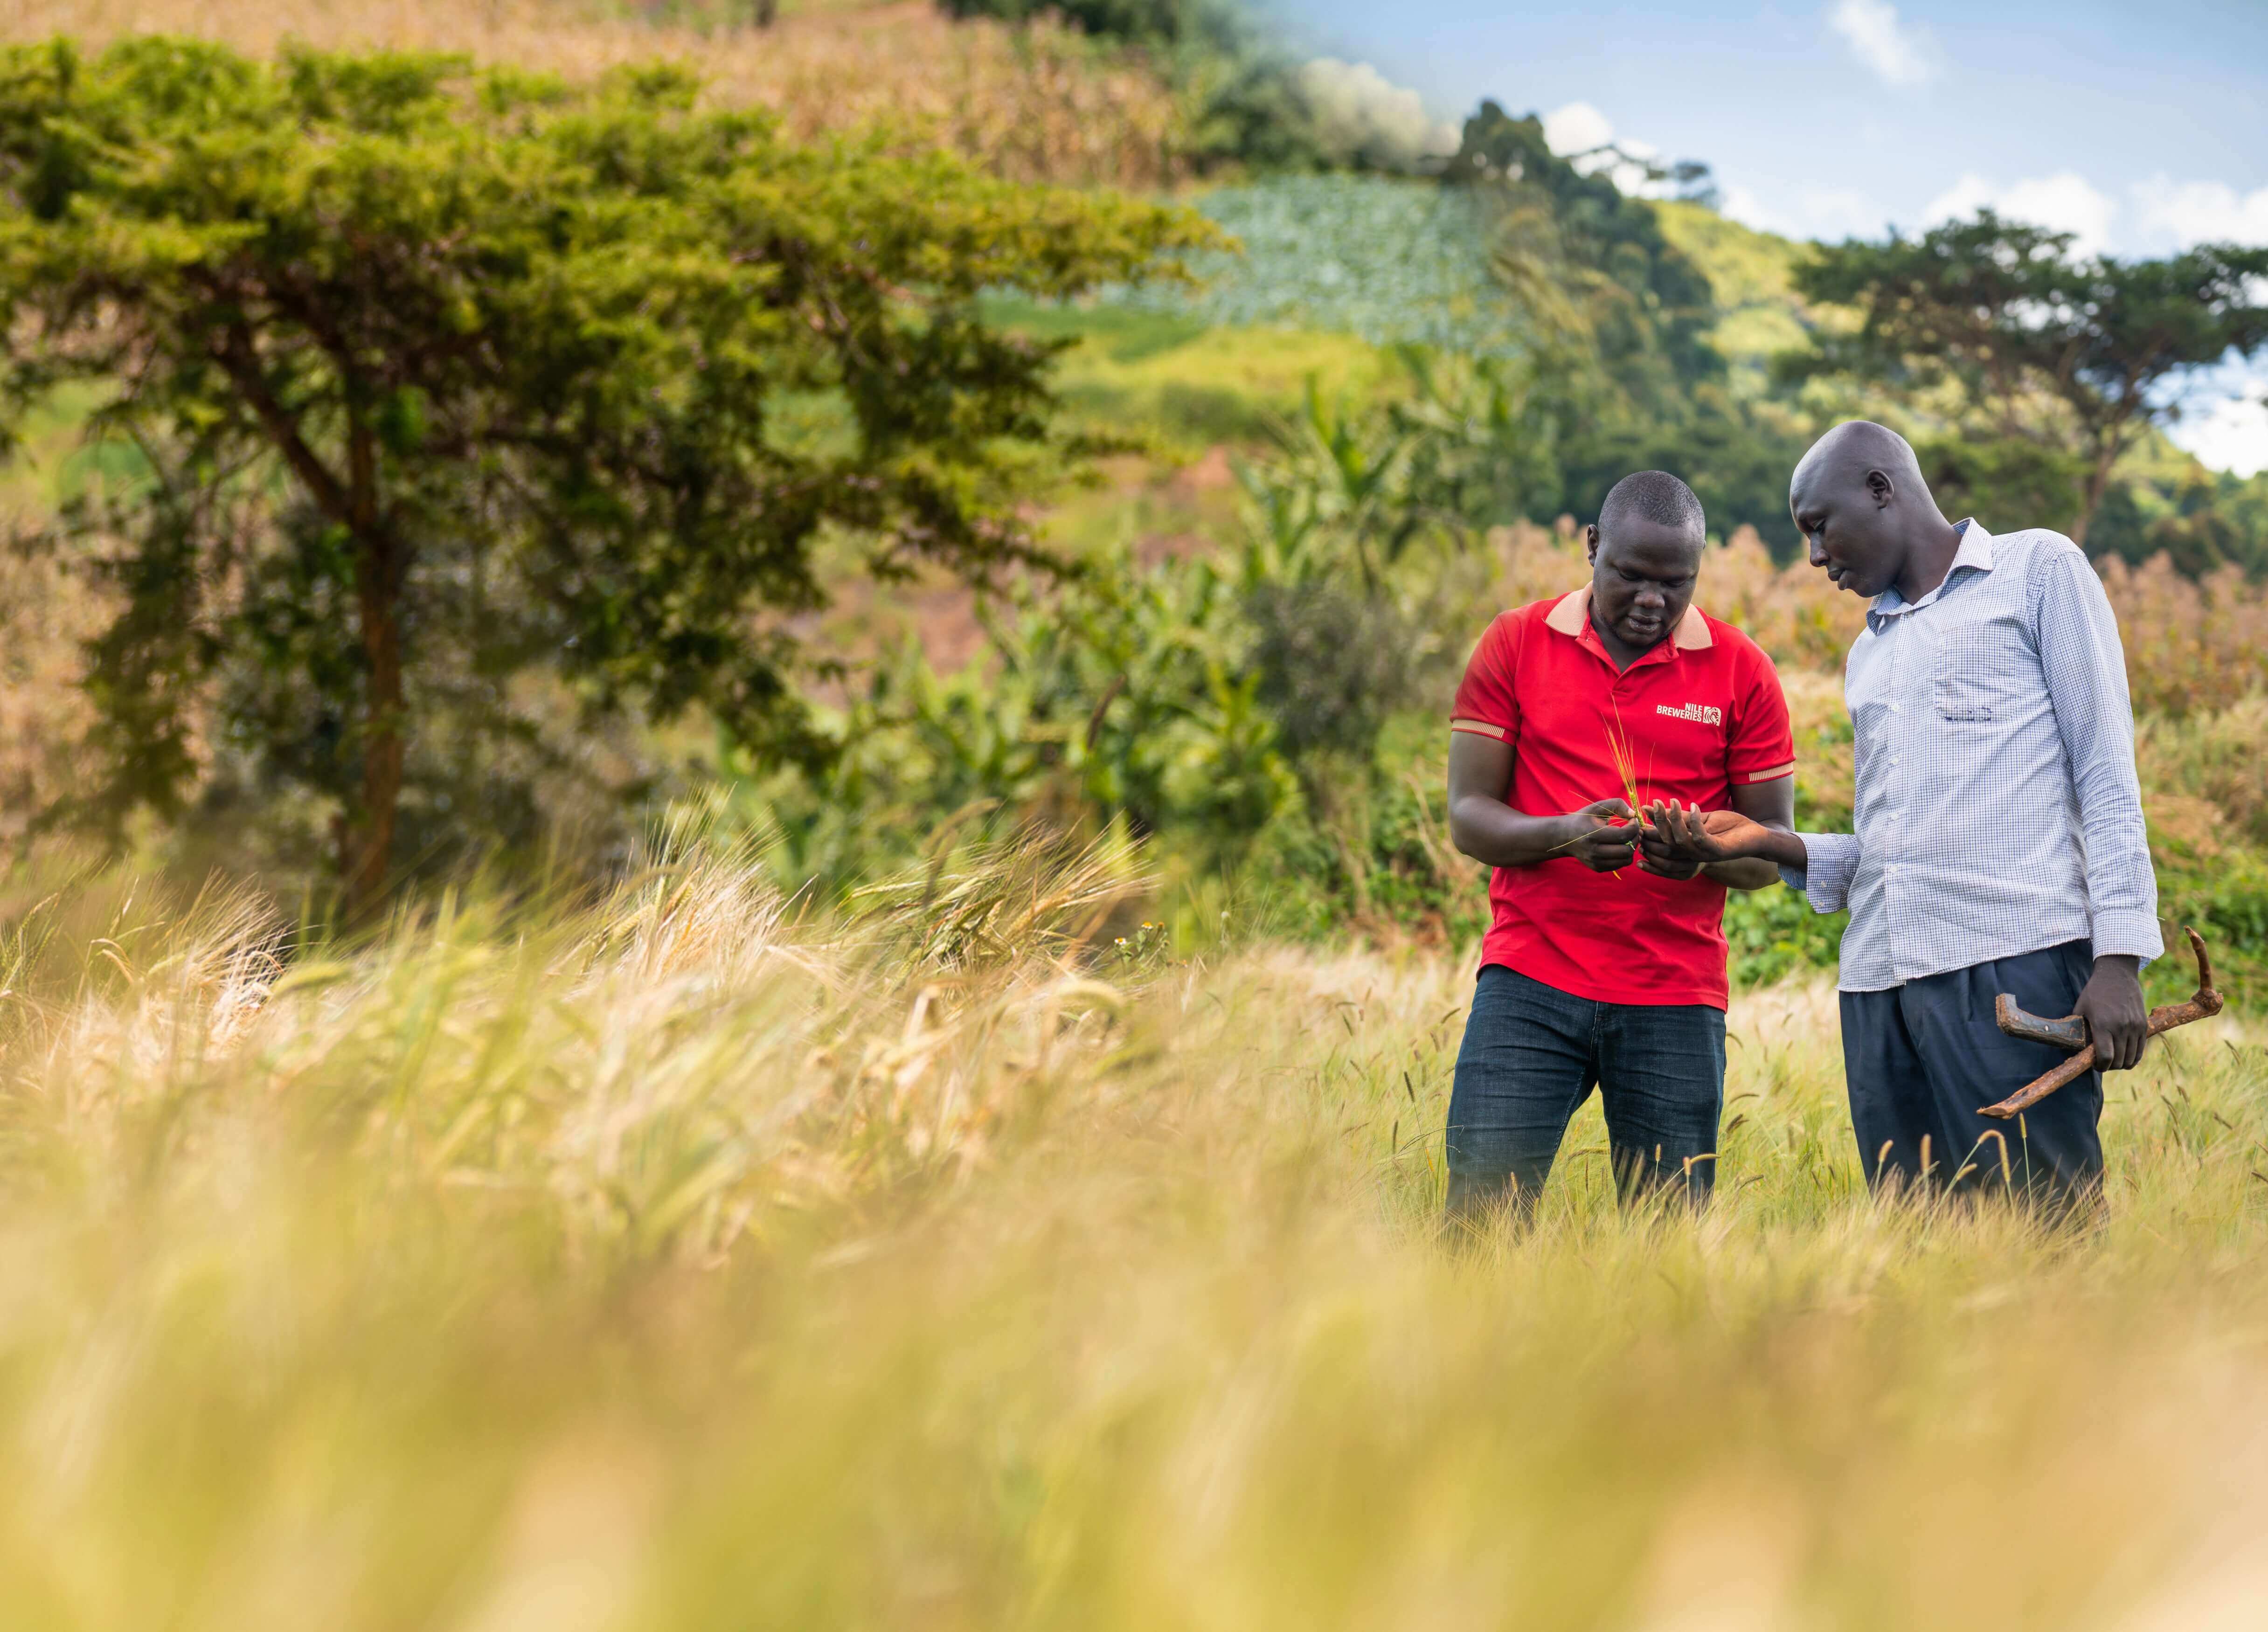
(1772, 933)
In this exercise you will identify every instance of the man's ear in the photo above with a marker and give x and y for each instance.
(1879, 484)
(1591, 544)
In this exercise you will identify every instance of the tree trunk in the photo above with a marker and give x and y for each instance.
(364, 832)
(367, 861)
(368, 857)
(2098, 483)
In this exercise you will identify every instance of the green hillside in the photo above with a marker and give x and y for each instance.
(1759, 313)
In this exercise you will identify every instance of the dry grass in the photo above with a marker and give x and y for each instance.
(44, 616)
(673, 1261)
(2191, 647)
(1038, 104)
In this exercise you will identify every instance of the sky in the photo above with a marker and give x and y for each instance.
(2141, 127)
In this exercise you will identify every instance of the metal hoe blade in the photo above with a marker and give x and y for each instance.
(2071, 1032)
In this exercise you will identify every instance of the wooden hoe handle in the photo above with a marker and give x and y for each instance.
(2071, 1032)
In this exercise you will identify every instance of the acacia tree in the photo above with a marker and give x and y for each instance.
(417, 363)
(2068, 353)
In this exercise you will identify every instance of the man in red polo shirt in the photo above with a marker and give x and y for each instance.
(1605, 964)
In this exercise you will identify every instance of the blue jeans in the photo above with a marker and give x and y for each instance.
(1532, 1053)
(1921, 1057)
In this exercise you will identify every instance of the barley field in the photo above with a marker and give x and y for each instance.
(689, 1258)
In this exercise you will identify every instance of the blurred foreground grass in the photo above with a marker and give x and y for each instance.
(682, 1260)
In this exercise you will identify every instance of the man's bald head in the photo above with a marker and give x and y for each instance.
(1856, 446)
(1859, 499)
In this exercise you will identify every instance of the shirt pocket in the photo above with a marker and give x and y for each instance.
(1968, 676)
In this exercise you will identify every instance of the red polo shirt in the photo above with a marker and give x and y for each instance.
(1701, 711)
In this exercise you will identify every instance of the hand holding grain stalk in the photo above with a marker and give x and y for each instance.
(1604, 835)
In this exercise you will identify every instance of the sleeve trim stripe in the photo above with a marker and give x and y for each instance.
(1773, 775)
(1481, 728)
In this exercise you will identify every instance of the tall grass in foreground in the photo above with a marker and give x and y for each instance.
(678, 1261)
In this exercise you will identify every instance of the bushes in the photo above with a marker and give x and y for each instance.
(2191, 645)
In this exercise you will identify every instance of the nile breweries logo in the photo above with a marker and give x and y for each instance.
(1700, 714)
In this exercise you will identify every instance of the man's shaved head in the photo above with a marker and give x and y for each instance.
(1865, 509)
(1657, 496)
(1863, 445)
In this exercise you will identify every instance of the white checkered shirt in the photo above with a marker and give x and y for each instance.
(1997, 807)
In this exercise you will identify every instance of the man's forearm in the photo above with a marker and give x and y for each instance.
(1753, 874)
(1776, 849)
(1756, 872)
(1491, 832)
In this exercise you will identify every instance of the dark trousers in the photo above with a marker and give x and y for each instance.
(1922, 1057)
(1532, 1053)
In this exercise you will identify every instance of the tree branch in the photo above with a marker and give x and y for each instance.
(232, 350)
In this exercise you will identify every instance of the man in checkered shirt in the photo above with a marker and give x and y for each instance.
(2000, 845)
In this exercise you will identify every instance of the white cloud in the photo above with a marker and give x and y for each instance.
(2154, 216)
(2232, 436)
(1826, 213)
(1364, 112)
(1900, 56)
(2066, 203)
(1579, 130)
(1576, 127)
(2178, 214)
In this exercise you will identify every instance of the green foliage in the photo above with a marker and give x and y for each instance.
(1330, 662)
(1242, 105)
(2201, 520)
(2021, 481)
(1243, 109)
(1735, 452)
(1569, 332)
(1750, 275)
(1590, 263)
(1187, 385)
(2067, 352)
(1772, 933)
(1199, 698)
(1138, 22)
(423, 361)
(1122, 695)
(1391, 261)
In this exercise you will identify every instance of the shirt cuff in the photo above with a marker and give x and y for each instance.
(1831, 861)
(2128, 935)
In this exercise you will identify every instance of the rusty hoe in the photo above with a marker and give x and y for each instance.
(2071, 1032)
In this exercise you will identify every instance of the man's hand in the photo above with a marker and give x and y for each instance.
(1595, 842)
(1662, 858)
(2118, 1022)
(1691, 835)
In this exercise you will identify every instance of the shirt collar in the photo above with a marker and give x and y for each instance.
(1975, 551)
(1572, 616)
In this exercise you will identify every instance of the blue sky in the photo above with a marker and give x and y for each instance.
(2140, 127)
